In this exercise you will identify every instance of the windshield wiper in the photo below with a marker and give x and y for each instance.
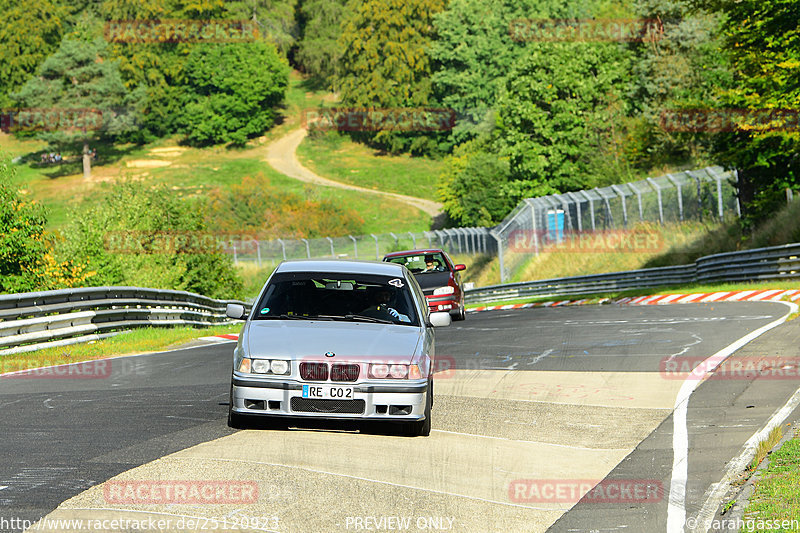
(296, 317)
(365, 318)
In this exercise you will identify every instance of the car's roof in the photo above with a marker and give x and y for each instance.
(415, 252)
(341, 265)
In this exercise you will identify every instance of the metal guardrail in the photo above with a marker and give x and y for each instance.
(33, 320)
(774, 263)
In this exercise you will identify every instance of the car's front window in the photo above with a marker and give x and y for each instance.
(421, 263)
(338, 296)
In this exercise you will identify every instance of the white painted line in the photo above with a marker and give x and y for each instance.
(737, 465)
(763, 296)
(676, 510)
(714, 297)
(3, 487)
(735, 297)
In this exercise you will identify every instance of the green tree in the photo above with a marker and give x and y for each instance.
(27, 260)
(80, 75)
(275, 19)
(30, 30)
(385, 63)
(232, 91)
(318, 48)
(762, 40)
(472, 187)
(554, 112)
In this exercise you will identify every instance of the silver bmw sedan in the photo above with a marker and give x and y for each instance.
(336, 340)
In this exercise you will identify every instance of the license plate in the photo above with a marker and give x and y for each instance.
(327, 392)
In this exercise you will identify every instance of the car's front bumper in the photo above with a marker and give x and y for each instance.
(443, 303)
(395, 401)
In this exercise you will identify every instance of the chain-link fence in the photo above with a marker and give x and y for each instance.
(368, 247)
(559, 218)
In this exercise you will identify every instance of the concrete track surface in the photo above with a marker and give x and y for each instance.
(536, 410)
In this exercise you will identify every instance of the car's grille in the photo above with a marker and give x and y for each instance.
(314, 371)
(344, 372)
(308, 405)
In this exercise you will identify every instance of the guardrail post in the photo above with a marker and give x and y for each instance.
(535, 229)
(283, 248)
(258, 253)
(235, 260)
(396, 240)
(655, 186)
(591, 207)
(308, 249)
(413, 239)
(377, 252)
(355, 245)
(621, 194)
(500, 257)
(680, 194)
(333, 253)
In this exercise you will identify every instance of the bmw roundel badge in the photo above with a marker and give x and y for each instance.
(329, 354)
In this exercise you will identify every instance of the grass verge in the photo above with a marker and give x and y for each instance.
(336, 157)
(130, 342)
(777, 491)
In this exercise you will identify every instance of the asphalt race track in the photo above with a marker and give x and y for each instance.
(545, 419)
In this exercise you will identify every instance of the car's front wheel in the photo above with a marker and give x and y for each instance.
(423, 427)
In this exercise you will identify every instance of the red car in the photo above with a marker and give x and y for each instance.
(438, 277)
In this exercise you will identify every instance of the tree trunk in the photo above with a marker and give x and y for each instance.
(87, 162)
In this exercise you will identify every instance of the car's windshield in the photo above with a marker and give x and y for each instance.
(420, 263)
(336, 296)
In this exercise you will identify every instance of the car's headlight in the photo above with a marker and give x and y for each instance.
(279, 366)
(264, 366)
(384, 371)
(441, 291)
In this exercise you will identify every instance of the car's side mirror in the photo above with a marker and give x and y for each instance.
(459, 268)
(235, 311)
(439, 320)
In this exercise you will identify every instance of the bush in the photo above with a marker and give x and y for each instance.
(132, 236)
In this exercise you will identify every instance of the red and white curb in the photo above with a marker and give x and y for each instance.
(664, 299)
(764, 295)
(222, 338)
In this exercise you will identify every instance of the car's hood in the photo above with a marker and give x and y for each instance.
(349, 341)
(432, 280)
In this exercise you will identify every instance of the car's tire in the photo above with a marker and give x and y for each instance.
(461, 314)
(423, 427)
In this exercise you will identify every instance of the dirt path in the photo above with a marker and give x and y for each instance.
(281, 155)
